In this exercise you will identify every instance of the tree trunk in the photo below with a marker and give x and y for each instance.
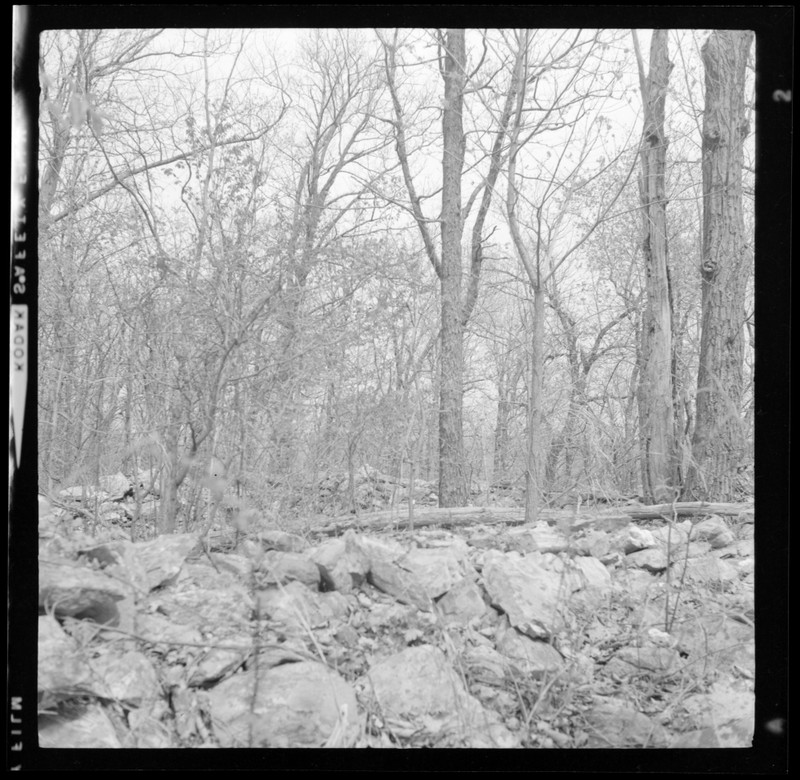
(533, 470)
(452, 486)
(718, 444)
(656, 425)
(508, 378)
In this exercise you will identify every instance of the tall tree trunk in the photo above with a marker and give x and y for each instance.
(656, 425)
(501, 437)
(718, 444)
(452, 485)
(533, 477)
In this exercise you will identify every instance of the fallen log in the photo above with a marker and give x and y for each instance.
(469, 515)
(688, 509)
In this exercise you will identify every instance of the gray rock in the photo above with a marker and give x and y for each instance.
(714, 530)
(282, 567)
(293, 605)
(649, 657)
(297, 705)
(733, 734)
(127, 677)
(529, 657)
(615, 724)
(419, 687)
(85, 726)
(397, 581)
(70, 590)
(526, 591)
(163, 557)
(274, 539)
(463, 602)
(62, 666)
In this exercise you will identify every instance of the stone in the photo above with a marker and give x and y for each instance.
(652, 560)
(550, 540)
(708, 570)
(163, 557)
(116, 485)
(486, 664)
(274, 539)
(341, 567)
(638, 539)
(62, 666)
(295, 705)
(596, 576)
(70, 590)
(650, 657)
(418, 692)
(282, 567)
(436, 570)
(733, 734)
(127, 677)
(717, 642)
(293, 605)
(713, 529)
(526, 591)
(83, 726)
(463, 602)
(615, 724)
(530, 657)
(397, 581)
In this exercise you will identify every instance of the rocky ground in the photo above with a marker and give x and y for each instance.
(484, 634)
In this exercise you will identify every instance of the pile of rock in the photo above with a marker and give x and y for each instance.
(372, 641)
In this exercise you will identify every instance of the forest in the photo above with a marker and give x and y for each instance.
(396, 388)
(495, 260)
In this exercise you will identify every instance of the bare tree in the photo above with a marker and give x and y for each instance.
(457, 298)
(655, 391)
(718, 444)
(538, 254)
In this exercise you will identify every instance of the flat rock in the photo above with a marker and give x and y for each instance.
(274, 539)
(296, 705)
(391, 578)
(736, 733)
(615, 724)
(282, 567)
(718, 642)
(708, 570)
(529, 657)
(649, 657)
(418, 690)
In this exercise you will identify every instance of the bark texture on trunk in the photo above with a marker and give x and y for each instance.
(718, 444)
(452, 484)
(656, 425)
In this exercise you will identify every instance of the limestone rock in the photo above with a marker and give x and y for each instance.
(298, 705)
